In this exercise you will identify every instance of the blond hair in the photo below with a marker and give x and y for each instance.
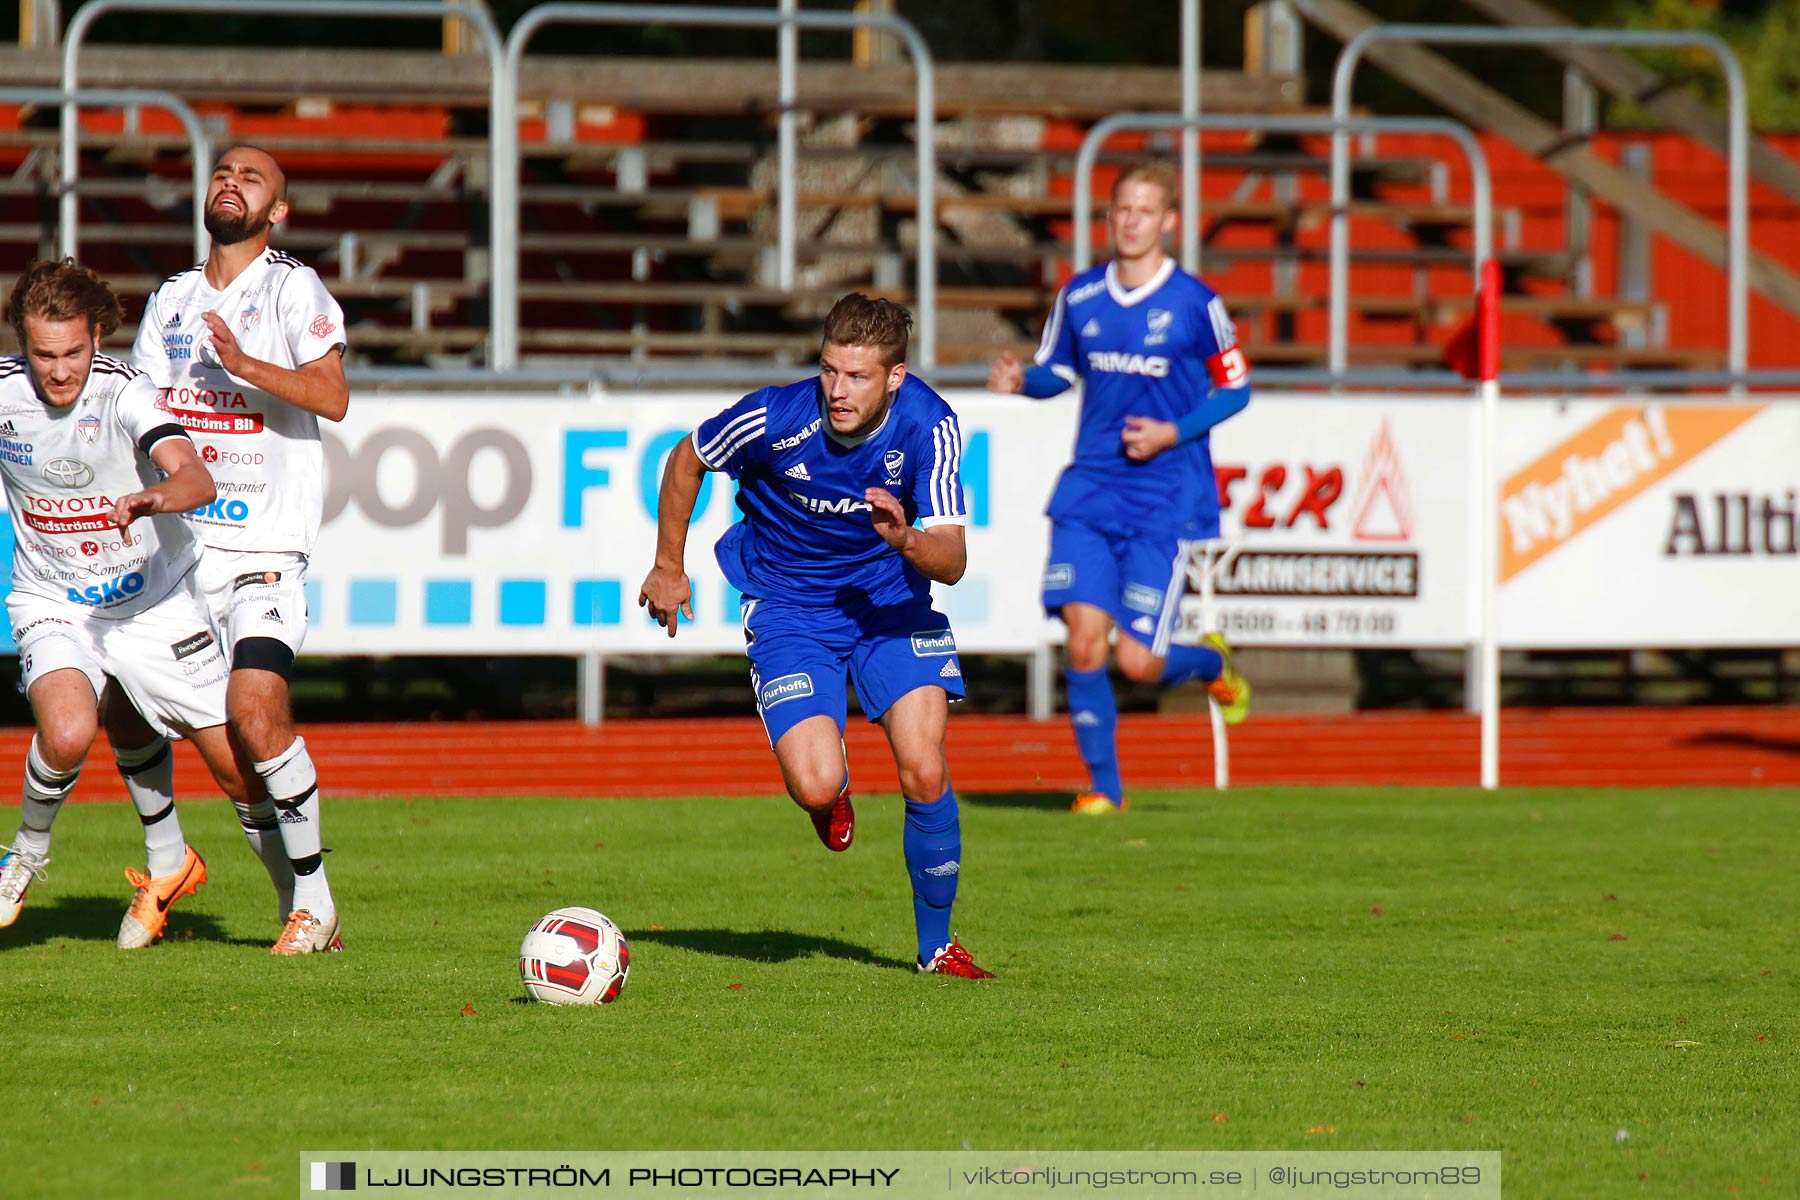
(1150, 170)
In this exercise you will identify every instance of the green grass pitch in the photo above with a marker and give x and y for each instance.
(1601, 985)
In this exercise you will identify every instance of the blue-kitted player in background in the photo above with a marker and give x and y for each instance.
(852, 505)
(1160, 366)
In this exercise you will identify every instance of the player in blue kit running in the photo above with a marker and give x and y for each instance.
(852, 505)
(1160, 366)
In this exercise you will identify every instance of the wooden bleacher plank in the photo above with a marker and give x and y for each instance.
(658, 84)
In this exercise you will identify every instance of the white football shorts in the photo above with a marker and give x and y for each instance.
(253, 594)
(167, 657)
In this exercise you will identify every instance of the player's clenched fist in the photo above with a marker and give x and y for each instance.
(666, 593)
(1006, 375)
(1147, 437)
(889, 517)
(225, 346)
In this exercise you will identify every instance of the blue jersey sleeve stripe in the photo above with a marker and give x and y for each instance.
(938, 458)
(954, 481)
(1052, 330)
(739, 441)
(729, 440)
(946, 490)
(732, 429)
(1224, 332)
(940, 491)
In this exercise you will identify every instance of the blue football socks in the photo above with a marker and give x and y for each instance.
(933, 845)
(1191, 662)
(1095, 716)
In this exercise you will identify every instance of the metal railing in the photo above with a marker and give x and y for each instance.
(199, 145)
(1082, 205)
(506, 253)
(503, 335)
(1737, 253)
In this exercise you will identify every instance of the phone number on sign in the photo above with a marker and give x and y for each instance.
(1309, 624)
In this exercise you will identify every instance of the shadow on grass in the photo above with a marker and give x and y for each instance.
(1046, 801)
(764, 945)
(96, 919)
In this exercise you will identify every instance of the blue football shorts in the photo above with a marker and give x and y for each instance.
(801, 656)
(1138, 579)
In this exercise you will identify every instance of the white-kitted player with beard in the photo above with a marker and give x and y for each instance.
(102, 576)
(247, 349)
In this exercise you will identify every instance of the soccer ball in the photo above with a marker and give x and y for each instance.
(574, 956)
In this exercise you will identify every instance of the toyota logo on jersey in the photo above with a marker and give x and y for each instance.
(68, 473)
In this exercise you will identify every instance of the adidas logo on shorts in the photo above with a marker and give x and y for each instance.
(7, 430)
(798, 471)
(950, 671)
(274, 614)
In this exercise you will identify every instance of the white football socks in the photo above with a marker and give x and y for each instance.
(293, 788)
(45, 791)
(149, 774)
(263, 832)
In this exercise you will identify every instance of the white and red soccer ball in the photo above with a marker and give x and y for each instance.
(574, 956)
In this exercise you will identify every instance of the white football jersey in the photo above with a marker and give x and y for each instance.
(263, 452)
(64, 468)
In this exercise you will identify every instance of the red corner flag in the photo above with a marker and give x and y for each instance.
(1473, 351)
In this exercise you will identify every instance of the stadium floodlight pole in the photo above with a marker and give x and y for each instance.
(1737, 168)
(787, 219)
(1485, 574)
(503, 335)
(925, 116)
(199, 145)
(1190, 137)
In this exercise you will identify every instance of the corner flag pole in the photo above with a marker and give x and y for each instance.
(1216, 561)
(1487, 314)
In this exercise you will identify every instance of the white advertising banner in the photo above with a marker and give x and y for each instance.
(1354, 518)
(1666, 524)
(528, 526)
(525, 525)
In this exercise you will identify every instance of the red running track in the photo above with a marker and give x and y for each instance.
(729, 756)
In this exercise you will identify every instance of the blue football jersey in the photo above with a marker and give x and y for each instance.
(806, 536)
(1154, 351)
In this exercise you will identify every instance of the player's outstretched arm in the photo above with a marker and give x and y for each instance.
(1006, 376)
(318, 386)
(1009, 376)
(189, 485)
(938, 553)
(666, 589)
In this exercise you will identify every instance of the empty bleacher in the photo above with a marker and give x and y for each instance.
(648, 193)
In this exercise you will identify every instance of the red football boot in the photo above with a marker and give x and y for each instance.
(836, 825)
(954, 960)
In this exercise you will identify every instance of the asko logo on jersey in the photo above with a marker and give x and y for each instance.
(1118, 362)
(110, 592)
(222, 511)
